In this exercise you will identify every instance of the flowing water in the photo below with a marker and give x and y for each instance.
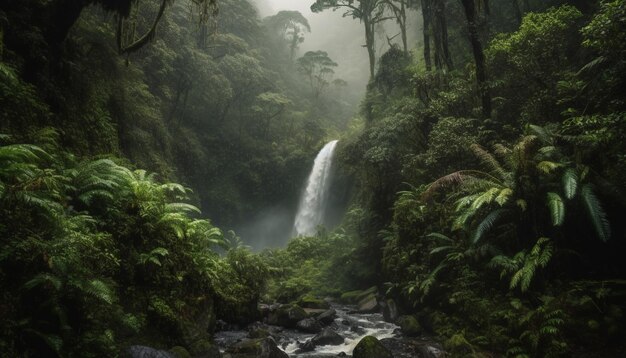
(312, 203)
(352, 327)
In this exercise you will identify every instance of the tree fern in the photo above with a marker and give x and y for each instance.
(489, 161)
(596, 213)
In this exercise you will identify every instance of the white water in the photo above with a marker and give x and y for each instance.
(311, 209)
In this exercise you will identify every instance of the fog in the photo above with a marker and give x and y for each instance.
(343, 38)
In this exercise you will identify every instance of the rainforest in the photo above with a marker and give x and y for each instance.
(312, 178)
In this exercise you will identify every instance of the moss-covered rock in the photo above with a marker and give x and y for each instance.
(370, 347)
(409, 325)
(180, 352)
(287, 316)
(458, 346)
(310, 301)
(354, 297)
(350, 297)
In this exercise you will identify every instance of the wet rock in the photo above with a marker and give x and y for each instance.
(307, 346)
(264, 309)
(427, 351)
(309, 325)
(409, 326)
(390, 311)
(368, 304)
(327, 317)
(258, 330)
(342, 354)
(370, 347)
(146, 352)
(327, 337)
(345, 322)
(286, 316)
(357, 329)
(255, 348)
(221, 325)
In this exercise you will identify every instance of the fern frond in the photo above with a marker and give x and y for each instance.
(503, 196)
(557, 208)
(570, 182)
(487, 224)
(438, 236)
(596, 213)
(44, 278)
(485, 198)
(488, 160)
(181, 208)
(548, 167)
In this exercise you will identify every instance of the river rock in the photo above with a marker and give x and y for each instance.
(286, 316)
(309, 325)
(390, 311)
(307, 346)
(409, 326)
(370, 347)
(146, 352)
(327, 337)
(255, 348)
(327, 317)
(368, 304)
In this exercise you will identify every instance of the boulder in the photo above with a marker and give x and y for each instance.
(327, 317)
(409, 326)
(327, 337)
(286, 316)
(368, 304)
(307, 346)
(255, 348)
(146, 352)
(390, 311)
(310, 301)
(309, 325)
(370, 347)
(180, 352)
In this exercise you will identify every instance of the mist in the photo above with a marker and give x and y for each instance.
(343, 38)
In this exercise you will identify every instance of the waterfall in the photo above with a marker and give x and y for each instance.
(312, 203)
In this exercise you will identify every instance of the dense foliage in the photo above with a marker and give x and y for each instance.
(486, 171)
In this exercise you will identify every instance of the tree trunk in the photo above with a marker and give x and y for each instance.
(479, 56)
(405, 46)
(443, 33)
(426, 17)
(369, 43)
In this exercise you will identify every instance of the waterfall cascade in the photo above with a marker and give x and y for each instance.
(312, 203)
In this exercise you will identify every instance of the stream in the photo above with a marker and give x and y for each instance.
(350, 325)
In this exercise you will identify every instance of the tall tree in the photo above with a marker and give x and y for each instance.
(369, 12)
(289, 25)
(318, 68)
(399, 9)
(479, 57)
(436, 31)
